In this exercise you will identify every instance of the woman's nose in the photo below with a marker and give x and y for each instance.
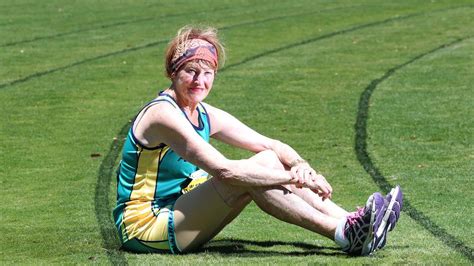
(199, 79)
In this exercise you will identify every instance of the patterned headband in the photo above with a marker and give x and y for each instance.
(193, 49)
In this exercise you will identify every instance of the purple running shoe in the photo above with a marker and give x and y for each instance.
(361, 226)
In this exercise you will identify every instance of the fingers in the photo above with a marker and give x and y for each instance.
(307, 177)
(299, 180)
(321, 187)
(324, 189)
(302, 176)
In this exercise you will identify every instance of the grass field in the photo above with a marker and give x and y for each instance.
(372, 93)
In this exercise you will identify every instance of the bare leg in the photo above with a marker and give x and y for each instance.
(201, 214)
(327, 206)
(288, 207)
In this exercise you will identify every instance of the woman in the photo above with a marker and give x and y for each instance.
(176, 192)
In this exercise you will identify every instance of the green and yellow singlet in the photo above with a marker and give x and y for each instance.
(149, 181)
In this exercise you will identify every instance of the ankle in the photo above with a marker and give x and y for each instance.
(339, 236)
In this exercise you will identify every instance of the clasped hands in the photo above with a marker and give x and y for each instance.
(306, 176)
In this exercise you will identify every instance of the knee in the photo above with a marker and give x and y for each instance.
(233, 196)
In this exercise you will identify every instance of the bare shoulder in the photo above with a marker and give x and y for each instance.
(156, 113)
(162, 109)
(156, 119)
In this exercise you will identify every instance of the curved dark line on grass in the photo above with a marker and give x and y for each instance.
(101, 200)
(366, 161)
(287, 16)
(104, 26)
(318, 38)
(62, 34)
(88, 60)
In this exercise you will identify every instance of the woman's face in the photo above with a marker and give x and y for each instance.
(193, 82)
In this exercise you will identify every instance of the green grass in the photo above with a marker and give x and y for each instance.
(72, 74)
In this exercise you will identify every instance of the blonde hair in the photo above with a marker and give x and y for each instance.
(189, 32)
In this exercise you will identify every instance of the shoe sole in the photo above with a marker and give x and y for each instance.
(385, 225)
(397, 208)
(396, 198)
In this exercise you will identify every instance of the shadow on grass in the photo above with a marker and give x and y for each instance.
(251, 248)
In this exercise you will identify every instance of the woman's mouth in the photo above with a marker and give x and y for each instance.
(196, 89)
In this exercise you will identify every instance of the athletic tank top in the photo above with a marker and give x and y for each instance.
(155, 175)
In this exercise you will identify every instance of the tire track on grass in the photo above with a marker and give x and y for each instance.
(108, 164)
(368, 165)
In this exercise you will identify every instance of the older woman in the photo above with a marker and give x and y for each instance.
(176, 191)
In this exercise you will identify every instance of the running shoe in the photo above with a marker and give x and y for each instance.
(362, 224)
